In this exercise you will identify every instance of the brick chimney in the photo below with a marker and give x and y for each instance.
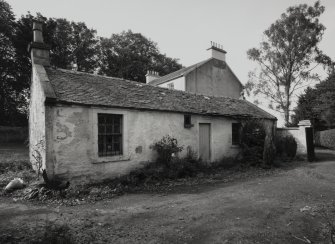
(39, 51)
(217, 51)
(151, 75)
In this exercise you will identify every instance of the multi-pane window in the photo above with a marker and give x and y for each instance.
(109, 134)
(170, 85)
(236, 132)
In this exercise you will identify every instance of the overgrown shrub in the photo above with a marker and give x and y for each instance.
(286, 146)
(166, 148)
(252, 142)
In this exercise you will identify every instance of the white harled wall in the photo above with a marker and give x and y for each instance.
(73, 149)
(179, 84)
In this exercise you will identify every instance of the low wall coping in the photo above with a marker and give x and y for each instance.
(289, 128)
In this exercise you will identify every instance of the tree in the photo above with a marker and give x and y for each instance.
(287, 56)
(318, 104)
(10, 95)
(129, 55)
(70, 42)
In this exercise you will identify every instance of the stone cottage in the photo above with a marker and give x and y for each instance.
(211, 77)
(94, 127)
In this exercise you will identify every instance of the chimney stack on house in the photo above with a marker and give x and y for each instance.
(39, 51)
(217, 51)
(151, 75)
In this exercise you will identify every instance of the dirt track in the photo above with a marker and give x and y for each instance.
(262, 210)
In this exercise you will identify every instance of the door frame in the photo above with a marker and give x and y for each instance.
(210, 139)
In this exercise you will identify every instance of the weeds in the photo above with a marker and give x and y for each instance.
(38, 149)
(327, 213)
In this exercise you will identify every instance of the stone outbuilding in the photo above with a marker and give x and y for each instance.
(88, 127)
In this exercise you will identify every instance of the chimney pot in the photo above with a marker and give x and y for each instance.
(151, 75)
(217, 51)
(39, 51)
(37, 30)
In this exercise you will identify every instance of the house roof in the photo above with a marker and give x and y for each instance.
(72, 87)
(177, 73)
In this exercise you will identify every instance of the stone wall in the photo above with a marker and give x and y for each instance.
(325, 138)
(299, 134)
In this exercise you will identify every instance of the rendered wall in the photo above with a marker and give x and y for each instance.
(299, 135)
(213, 78)
(72, 140)
(36, 117)
(179, 84)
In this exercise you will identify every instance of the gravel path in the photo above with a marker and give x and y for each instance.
(282, 208)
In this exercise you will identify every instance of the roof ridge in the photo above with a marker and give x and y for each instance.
(95, 75)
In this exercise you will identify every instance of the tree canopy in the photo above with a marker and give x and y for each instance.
(11, 91)
(318, 104)
(126, 55)
(129, 55)
(287, 56)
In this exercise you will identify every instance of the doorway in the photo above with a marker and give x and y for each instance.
(204, 141)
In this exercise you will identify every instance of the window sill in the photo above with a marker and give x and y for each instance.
(111, 159)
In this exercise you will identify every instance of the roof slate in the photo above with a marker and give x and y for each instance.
(87, 89)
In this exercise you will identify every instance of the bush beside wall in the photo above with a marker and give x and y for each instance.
(286, 146)
(325, 138)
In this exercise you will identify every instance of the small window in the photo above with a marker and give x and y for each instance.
(236, 133)
(109, 134)
(187, 121)
(170, 85)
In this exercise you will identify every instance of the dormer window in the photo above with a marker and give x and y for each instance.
(170, 85)
(187, 121)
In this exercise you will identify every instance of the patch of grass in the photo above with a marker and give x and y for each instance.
(15, 166)
(12, 152)
(50, 232)
(56, 234)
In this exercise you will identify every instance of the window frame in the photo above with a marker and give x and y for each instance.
(170, 85)
(188, 118)
(109, 132)
(236, 126)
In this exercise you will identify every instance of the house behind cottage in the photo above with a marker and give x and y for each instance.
(95, 127)
(211, 77)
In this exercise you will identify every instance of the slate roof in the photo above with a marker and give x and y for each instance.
(177, 73)
(87, 89)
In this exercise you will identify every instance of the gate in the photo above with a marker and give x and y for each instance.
(310, 144)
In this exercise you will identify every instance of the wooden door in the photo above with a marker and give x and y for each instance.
(204, 142)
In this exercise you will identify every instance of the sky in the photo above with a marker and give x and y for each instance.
(184, 29)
